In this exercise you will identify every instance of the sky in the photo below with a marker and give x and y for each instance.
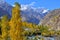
(49, 4)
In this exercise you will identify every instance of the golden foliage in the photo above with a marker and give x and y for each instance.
(4, 24)
(15, 24)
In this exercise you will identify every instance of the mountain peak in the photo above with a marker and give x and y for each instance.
(2, 1)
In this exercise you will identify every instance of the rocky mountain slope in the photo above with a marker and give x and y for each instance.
(52, 19)
(33, 15)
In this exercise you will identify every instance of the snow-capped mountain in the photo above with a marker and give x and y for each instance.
(34, 15)
(28, 13)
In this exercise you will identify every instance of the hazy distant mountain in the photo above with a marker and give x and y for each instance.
(52, 19)
(29, 14)
(5, 8)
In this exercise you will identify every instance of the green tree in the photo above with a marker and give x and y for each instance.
(43, 29)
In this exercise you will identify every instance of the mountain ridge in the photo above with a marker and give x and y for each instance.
(52, 19)
(31, 14)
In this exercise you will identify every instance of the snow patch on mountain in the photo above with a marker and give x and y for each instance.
(44, 11)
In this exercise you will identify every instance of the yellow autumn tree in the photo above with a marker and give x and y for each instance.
(4, 24)
(0, 28)
(16, 24)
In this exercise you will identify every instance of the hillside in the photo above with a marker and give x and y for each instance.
(52, 19)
